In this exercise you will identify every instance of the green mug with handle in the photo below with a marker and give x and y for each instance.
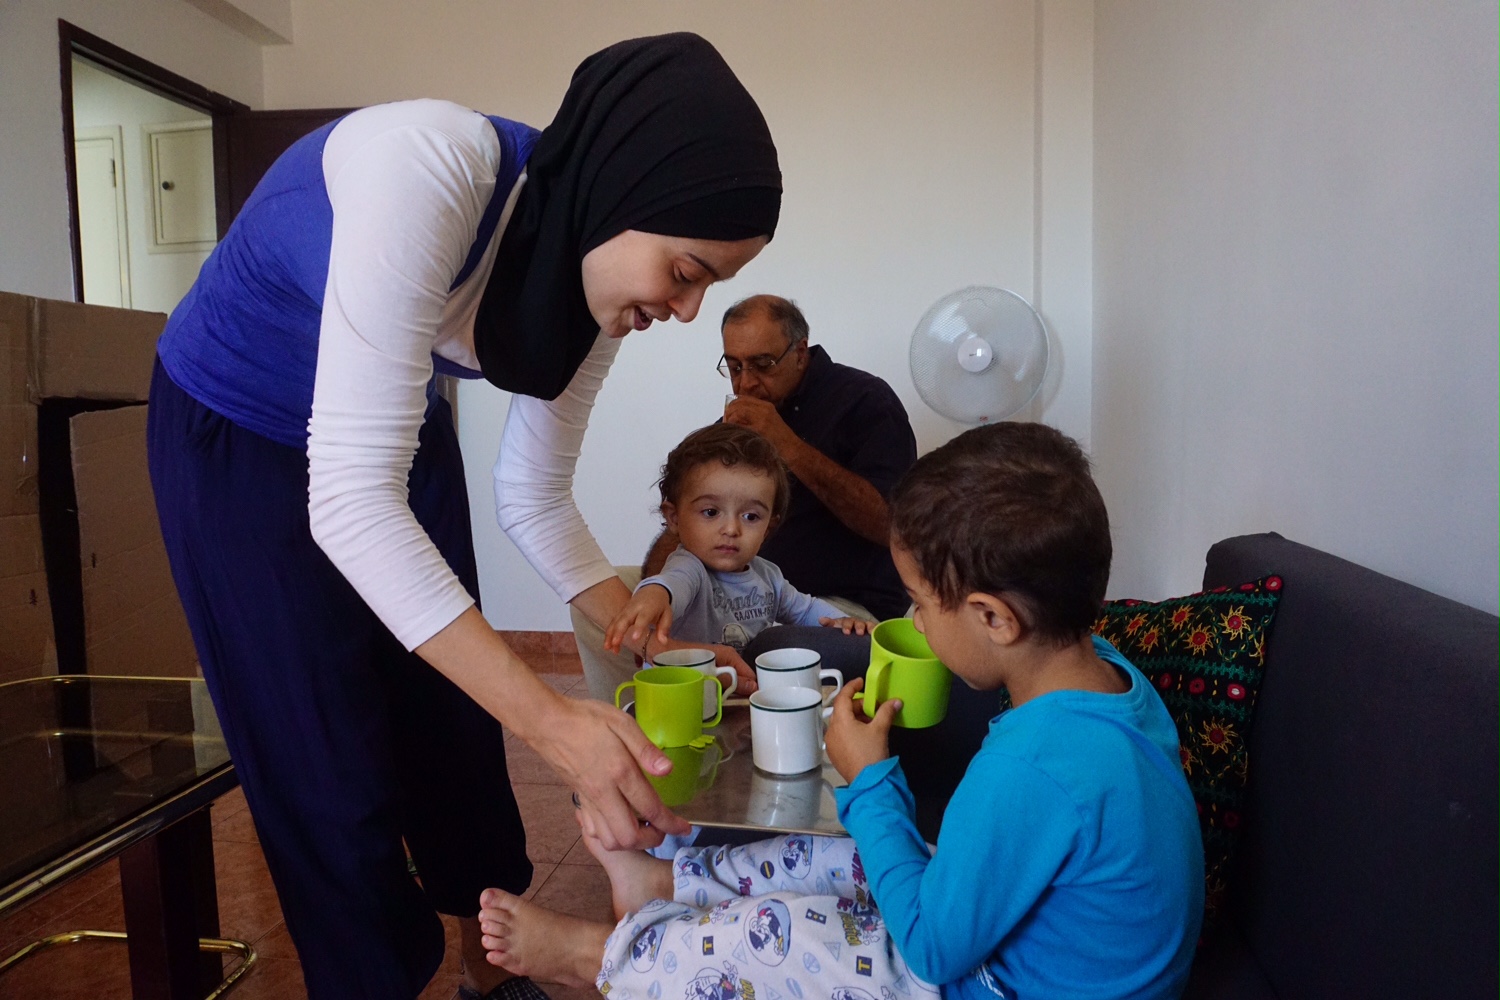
(669, 704)
(903, 666)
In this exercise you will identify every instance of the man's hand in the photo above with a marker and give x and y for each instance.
(848, 496)
(851, 626)
(649, 608)
(761, 417)
(852, 743)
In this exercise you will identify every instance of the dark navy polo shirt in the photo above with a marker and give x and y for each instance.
(855, 419)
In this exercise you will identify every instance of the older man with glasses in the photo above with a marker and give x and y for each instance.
(845, 437)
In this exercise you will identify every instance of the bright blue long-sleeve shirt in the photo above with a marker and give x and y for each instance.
(1069, 863)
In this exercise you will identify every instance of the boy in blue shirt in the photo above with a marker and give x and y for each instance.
(1069, 863)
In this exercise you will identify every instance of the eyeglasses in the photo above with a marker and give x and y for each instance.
(761, 365)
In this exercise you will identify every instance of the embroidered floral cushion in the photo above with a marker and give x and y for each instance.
(1205, 654)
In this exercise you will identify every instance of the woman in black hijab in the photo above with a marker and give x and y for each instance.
(312, 496)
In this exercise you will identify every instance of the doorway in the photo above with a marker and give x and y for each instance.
(191, 167)
(145, 190)
(142, 173)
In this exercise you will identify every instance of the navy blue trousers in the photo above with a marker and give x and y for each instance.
(345, 743)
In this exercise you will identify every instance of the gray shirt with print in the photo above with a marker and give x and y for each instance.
(732, 608)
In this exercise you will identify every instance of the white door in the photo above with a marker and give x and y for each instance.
(182, 186)
(101, 215)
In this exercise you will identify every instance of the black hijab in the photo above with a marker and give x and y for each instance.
(654, 134)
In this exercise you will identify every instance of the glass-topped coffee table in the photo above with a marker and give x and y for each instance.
(92, 768)
(719, 785)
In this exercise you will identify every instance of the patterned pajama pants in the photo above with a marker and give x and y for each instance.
(784, 919)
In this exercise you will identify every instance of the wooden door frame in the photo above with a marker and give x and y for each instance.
(74, 41)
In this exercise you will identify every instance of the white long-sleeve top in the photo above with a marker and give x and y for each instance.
(408, 183)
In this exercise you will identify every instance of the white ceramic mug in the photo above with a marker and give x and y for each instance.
(701, 660)
(786, 729)
(792, 667)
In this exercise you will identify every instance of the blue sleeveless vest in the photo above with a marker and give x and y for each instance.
(244, 340)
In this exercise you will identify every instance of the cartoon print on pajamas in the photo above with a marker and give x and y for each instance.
(861, 920)
(711, 984)
(850, 993)
(720, 914)
(796, 856)
(768, 931)
(644, 948)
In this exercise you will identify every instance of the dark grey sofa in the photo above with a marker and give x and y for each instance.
(1368, 867)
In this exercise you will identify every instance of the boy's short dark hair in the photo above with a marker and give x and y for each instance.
(730, 445)
(1010, 510)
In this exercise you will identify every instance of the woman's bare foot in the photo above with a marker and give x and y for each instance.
(635, 877)
(531, 940)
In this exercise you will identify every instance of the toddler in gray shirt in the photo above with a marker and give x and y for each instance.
(723, 489)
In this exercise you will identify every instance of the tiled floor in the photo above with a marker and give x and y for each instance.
(567, 878)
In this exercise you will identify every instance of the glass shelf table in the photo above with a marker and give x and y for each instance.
(93, 768)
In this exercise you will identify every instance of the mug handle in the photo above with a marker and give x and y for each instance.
(620, 689)
(838, 683)
(718, 701)
(876, 680)
(825, 714)
(734, 679)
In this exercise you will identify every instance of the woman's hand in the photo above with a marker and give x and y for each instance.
(855, 626)
(601, 752)
(649, 608)
(852, 743)
(595, 748)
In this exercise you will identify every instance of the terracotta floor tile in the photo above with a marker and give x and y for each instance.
(236, 826)
(452, 964)
(441, 988)
(88, 970)
(561, 683)
(272, 979)
(547, 812)
(539, 876)
(527, 767)
(582, 890)
(567, 662)
(579, 855)
(276, 943)
(50, 913)
(228, 804)
(248, 907)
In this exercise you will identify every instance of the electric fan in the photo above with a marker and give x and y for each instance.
(979, 355)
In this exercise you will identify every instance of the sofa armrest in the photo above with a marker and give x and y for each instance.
(1369, 865)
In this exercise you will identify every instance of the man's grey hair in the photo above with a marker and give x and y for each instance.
(783, 312)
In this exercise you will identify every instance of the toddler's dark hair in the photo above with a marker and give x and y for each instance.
(1010, 510)
(730, 445)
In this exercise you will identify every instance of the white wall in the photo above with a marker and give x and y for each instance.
(919, 156)
(34, 249)
(158, 281)
(1295, 284)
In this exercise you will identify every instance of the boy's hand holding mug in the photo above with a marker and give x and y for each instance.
(852, 743)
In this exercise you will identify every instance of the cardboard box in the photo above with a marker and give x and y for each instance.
(84, 582)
